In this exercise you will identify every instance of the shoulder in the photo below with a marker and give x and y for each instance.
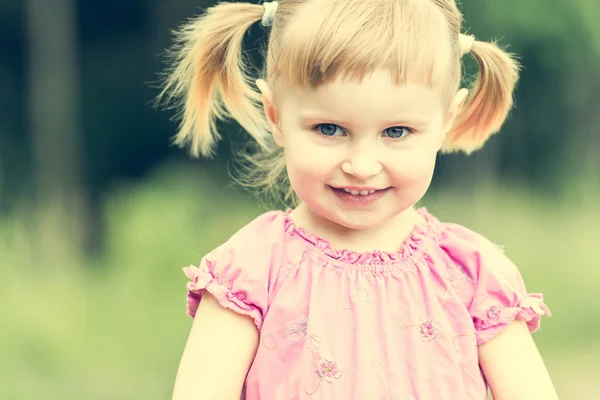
(457, 239)
(270, 222)
(487, 281)
(473, 264)
(254, 253)
(239, 271)
(266, 231)
(474, 252)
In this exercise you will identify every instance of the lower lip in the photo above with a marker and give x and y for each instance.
(358, 200)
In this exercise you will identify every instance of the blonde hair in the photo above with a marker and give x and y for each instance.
(312, 42)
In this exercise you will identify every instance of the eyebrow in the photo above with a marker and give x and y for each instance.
(308, 119)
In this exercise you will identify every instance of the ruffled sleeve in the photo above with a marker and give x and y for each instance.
(498, 294)
(238, 272)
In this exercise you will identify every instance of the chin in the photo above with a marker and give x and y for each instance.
(359, 222)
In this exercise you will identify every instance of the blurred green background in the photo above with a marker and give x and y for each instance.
(98, 213)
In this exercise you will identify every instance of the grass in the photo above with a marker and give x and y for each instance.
(114, 327)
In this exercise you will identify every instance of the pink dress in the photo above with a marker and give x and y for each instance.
(336, 324)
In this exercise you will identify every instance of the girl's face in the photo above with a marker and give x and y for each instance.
(372, 137)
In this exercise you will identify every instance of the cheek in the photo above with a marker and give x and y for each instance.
(306, 162)
(414, 172)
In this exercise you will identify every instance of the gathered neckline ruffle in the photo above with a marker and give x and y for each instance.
(410, 248)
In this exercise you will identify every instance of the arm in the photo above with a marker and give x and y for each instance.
(513, 367)
(219, 351)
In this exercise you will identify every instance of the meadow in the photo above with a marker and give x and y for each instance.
(113, 327)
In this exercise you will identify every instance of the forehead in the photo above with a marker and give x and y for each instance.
(374, 98)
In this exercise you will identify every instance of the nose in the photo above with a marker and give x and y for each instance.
(362, 164)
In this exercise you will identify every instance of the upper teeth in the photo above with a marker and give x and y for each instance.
(362, 192)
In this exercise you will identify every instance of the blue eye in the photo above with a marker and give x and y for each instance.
(333, 130)
(397, 132)
(328, 129)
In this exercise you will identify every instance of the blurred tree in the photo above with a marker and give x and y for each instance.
(550, 138)
(55, 126)
(99, 111)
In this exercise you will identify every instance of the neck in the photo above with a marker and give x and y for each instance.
(387, 236)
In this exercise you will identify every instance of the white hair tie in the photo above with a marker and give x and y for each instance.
(465, 43)
(269, 14)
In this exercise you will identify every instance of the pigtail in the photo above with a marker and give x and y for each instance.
(209, 79)
(490, 101)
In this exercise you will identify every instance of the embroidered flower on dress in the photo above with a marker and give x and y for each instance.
(493, 312)
(362, 292)
(457, 275)
(297, 330)
(428, 331)
(328, 369)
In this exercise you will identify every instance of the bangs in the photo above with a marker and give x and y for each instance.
(353, 38)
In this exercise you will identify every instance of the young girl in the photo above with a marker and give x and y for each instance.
(354, 293)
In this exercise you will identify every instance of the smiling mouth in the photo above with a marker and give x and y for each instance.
(358, 191)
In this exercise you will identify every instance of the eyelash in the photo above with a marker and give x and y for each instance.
(316, 129)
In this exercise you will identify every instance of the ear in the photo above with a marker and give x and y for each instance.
(270, 111)
(455, 107)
